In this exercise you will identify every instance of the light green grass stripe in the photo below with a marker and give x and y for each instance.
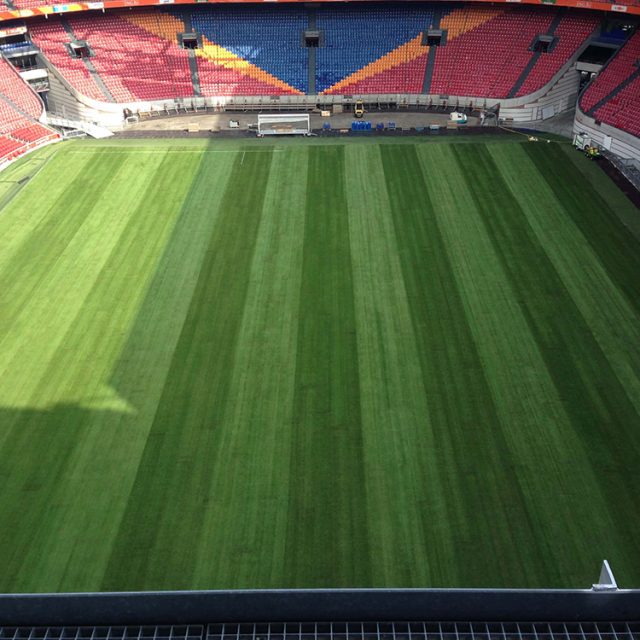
(248, 518)
(20, 175)
(612, 320)
(43, 383)
(394, 409)
(542, 446)
(140, 372)
(173, 483)
(54, 273)
(72, 550)
(35, 249)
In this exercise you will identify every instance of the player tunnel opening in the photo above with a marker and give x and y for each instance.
(190, 40)
(544, 43)
(434, 38)
(311, 38)
(79, 49)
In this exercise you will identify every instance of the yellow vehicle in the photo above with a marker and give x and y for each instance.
(592, 152)
(358, 110)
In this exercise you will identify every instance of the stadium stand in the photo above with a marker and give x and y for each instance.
(623, 109)
(133, 62)
(617, 71)
(9, 148)
(613, 97)
(20, 110)
(28, 4)
(12, 86)
(31, 133)
(358, 42)
(487, 50)
(251, 51)
(259, 50)
(572, 31)
(10, 119)
(51, 37)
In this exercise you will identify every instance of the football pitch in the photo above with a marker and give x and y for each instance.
(239, 364)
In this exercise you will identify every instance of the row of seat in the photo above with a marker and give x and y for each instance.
(268, 38)
(623, 109)
(9, 148)
(354, 37)
(134, 63)
(14, 88)
(20, 109)
(51, 37)
(571, 33)
(488, 59)
(251, 50)
(617, 71)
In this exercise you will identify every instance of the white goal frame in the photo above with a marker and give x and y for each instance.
(284, 124)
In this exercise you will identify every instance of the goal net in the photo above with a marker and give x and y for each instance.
(282, 124)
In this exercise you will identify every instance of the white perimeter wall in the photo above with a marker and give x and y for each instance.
(621, 143)
(559, 95)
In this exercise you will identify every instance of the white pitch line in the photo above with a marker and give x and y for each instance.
(163, 151)
(242, 159)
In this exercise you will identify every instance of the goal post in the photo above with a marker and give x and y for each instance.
(283, 124)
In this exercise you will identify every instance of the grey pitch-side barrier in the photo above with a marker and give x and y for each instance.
(318, 605)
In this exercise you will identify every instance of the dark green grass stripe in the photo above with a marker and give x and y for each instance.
(43, 247)
(158, 538)
(595, 401)
(30, 473)
(615, 245)
(327, 542)
(484, 502)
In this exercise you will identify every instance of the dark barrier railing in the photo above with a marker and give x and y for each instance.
(200, 607)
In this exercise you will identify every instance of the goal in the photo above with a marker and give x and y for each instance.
(283, 124)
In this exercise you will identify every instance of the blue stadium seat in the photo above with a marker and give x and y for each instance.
(354, 36)
(270, 37)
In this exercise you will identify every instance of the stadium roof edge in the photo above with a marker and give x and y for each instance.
(102, 5)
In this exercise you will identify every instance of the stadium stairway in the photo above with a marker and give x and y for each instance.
(431, 55)
(312, 23)
(193, 62)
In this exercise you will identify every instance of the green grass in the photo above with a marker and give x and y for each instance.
(235, 365)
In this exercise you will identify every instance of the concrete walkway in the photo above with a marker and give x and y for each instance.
(561, 125)
(220, 121)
